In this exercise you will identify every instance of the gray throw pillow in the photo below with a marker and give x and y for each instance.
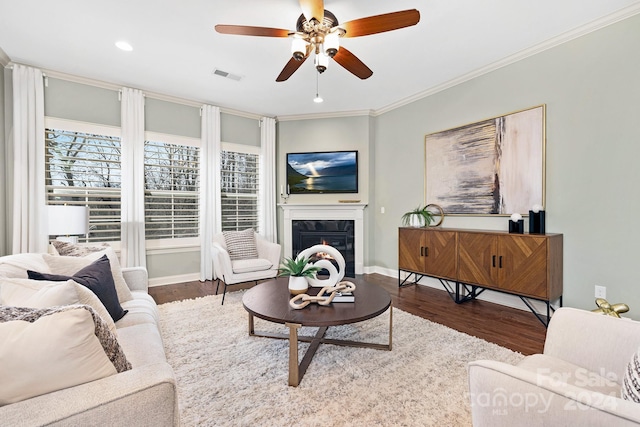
(241, 244)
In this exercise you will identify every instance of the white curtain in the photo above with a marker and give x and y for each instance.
(210, 212)
(26, 157)
(133, 250)
(268, 179)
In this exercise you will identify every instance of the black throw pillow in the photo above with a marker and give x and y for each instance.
(98, 278)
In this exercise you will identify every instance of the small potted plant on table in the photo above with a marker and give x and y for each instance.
(298, 270)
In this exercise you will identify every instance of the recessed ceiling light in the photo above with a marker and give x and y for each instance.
(124, 46)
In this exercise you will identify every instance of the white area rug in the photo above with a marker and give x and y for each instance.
(227, 378)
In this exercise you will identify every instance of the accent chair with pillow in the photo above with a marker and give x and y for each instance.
(243, 256)
(587, 375)
(66, 358)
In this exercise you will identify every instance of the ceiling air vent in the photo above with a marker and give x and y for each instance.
(221, 73)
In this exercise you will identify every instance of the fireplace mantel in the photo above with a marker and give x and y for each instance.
(325, 211)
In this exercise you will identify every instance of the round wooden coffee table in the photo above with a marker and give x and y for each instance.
(270, 301)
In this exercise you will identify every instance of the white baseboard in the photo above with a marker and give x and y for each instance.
(489, 296)
(170, 280)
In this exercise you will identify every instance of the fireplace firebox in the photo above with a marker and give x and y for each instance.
(336, 233)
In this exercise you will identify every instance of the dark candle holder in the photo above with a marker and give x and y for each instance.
(516, 227)
(536, 222)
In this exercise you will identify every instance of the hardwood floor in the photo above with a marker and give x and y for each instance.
(508, 327)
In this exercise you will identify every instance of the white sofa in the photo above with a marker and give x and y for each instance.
(144, 395)
(576, 381)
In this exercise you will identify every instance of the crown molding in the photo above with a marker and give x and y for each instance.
(334, 115)
(4, 58)
(565, 37)
(160, 96)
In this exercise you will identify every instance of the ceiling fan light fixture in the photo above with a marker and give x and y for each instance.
(321, 62)
(318, 99)
(298, 48)
(332, 43)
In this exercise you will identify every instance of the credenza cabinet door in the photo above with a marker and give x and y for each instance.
(440, 251)
(478, 259)
(523, 265)
(410, 249)
(429, 251)
(509, 262)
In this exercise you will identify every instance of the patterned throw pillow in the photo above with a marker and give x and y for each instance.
(631, 382)
(241, 244)
(73, 249)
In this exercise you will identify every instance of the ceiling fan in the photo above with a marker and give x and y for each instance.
(318, 31)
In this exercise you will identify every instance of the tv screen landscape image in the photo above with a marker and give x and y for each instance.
(322, 172)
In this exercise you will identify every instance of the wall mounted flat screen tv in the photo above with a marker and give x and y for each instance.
(322, 172)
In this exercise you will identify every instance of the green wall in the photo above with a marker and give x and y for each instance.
(239, 130)
(84, 103)
(591, 87)
(171, 118)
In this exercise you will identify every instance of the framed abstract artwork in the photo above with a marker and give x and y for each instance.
(492, 167)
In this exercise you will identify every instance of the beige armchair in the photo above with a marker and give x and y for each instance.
(576, 381)
(233, 272)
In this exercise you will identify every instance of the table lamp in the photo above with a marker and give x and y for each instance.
(67, 222)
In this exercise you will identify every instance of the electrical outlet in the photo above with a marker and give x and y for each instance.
(382, 210)
(601, 292)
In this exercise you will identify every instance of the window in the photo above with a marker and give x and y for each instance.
(239, 188)
(83, 168)
(171, 190)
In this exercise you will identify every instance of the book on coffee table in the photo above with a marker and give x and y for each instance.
(344, 297)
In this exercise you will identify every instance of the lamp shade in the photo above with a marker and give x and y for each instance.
(67, 220)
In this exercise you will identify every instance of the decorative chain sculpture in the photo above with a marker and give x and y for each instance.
(611, 310)
(324, 297)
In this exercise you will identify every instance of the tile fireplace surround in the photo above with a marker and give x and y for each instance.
(326, 211)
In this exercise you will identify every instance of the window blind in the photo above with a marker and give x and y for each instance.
(171, 190)
(239, 190)
(84, 169)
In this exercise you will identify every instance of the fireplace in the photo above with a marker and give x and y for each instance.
(337, 233)
(341, 212)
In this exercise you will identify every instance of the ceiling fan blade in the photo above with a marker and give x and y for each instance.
(352, 64)
(381, 23)
(312, 9)
(291, 67)
(243, 30)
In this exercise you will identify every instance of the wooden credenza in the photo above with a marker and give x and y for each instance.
(469, 261)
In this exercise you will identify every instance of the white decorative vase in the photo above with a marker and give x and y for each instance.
(335, 275)
(298, 285)
(416, 220)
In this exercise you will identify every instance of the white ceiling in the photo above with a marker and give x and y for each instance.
(176, 48)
